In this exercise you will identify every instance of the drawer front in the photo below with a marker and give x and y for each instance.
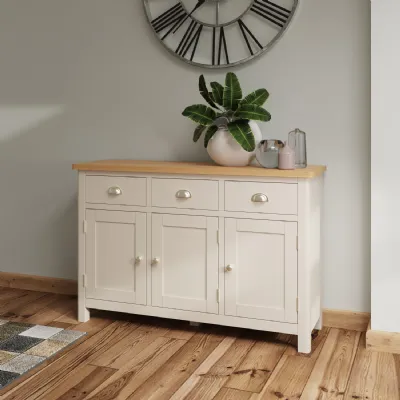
(184, 193)
(116, 190)
(272, 198)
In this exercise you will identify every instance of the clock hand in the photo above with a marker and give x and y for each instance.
(198, 5)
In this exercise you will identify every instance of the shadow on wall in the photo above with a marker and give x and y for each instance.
(38, 213)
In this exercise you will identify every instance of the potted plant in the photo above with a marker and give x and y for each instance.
(230, 133)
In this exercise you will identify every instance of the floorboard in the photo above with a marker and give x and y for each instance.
(144, 358)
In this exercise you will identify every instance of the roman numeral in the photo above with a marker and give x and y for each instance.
(213, 45)
(272, 12)
(222, 41)
(169, 17)
(189, 39)
(245, 30)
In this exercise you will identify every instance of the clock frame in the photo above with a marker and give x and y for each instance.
(173, 19)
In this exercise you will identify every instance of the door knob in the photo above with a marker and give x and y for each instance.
(229, 268)
(138, 259)
(155, 261)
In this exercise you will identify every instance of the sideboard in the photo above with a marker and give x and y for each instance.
(199, 242)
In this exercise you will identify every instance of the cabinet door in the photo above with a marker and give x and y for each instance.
(185, 262)
(114, 240)
(261, 269)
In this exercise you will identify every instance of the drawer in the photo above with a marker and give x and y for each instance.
(272, 198)
(184, 193)
(116, 190)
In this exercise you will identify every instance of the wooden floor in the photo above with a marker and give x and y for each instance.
(132, 357)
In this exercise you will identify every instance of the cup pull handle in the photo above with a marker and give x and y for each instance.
(115, 190)
(183, 194)
(259, 198)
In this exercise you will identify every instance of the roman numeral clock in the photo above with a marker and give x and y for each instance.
(219, 33)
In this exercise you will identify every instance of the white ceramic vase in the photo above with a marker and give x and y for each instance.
(225, 150)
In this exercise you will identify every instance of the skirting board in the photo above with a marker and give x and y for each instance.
(356, 321)
(350, 320)
(387, 342)
(38, 283)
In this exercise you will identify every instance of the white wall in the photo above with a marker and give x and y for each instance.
(385, 224)
(85, 80)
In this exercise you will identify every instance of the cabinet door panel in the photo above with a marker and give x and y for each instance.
(113, 240)
(186, 276)
(262, 283)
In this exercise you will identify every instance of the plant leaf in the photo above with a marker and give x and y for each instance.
(218, 92)
(205, 93)
(253, 112)
(242, 133)
(209, 134)
(198, 132)
(200, 114)
(232, 92)
(259, 97)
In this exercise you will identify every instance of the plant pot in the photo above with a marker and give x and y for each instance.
(225, 150)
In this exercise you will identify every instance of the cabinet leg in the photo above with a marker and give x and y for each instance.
(304, 343)
(195, 324)
(83, 313)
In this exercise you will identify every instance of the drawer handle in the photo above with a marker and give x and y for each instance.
(115, 190)
(259, 198)
(183, 194)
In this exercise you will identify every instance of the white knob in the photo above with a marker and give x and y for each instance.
(229, 268)
(115, 190)
(138, 259)
(155, 261)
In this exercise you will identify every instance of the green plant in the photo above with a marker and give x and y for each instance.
(228, 102)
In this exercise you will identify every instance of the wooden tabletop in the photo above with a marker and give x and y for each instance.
(192, 168)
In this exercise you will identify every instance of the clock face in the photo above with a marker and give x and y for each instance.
(219, 33)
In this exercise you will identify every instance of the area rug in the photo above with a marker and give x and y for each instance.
(24, 346)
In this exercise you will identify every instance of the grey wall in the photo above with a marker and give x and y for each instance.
(86, 79)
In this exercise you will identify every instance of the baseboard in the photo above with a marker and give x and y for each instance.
(356, 321)
(38, 283)
(388, 342)
(350, 320)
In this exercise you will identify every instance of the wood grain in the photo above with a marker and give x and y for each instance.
(191, 168)
(134, 373)
(118, 355)
(333, 366)
(341, 319)
(204, 367)
(388, 342)
(254, 371)
(374, 376)
(88, 384)
(178, 369)
(38, 283)
(289, 381)
(214, 379)
(156, 359)
(55, 373)
(232, 394)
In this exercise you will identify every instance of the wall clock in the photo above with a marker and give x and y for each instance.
(219, 33)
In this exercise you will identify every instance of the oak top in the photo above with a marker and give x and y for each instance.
(194, 168)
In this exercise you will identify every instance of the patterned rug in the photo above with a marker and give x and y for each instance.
(24, 346)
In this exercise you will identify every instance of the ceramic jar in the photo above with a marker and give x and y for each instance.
(225, 150)
(287, 157)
